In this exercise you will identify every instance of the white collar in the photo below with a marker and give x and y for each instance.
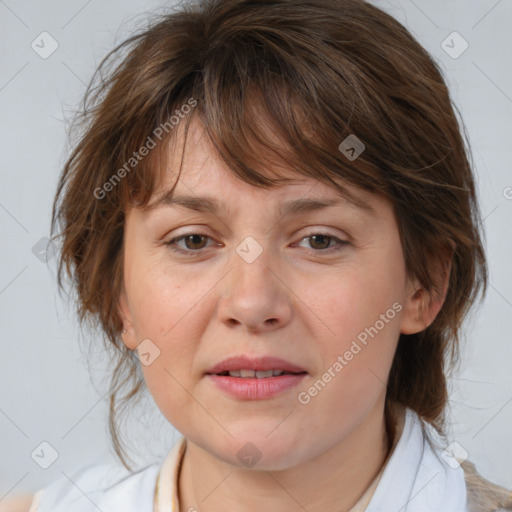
(415, 478)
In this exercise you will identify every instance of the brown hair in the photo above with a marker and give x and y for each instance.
(316, 71)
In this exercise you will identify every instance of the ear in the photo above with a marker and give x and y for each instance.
(422, 307)
(129, 338)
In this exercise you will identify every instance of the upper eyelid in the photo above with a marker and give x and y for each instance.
(312, 231)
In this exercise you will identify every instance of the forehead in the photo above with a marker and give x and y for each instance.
(191, 154)
(195, 176)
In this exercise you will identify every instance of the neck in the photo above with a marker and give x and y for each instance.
(339, 476)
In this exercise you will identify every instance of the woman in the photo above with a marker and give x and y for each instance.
(231, 141)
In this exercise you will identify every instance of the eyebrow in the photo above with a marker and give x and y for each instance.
(295, 206)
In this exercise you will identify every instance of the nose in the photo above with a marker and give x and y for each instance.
(254, 296)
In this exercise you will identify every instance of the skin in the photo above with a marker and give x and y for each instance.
(203, 307)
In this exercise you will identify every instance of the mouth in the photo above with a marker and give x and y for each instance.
(245, 378)
(250, 367)
(258, 374)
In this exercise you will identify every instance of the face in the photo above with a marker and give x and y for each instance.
(323, 289)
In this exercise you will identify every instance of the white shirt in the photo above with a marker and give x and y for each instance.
(416, 478)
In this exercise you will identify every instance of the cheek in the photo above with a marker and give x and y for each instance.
(172, 308)
(359, 311)
(161, 298)
(353, 302)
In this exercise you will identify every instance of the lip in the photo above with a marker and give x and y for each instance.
(253, 388)
(250, 363)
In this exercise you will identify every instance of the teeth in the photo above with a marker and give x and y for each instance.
(263, 374)
(259, 374)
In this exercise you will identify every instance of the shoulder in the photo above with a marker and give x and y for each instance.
(458, 478)
(484, 496)
(19, 503)
(102, 486)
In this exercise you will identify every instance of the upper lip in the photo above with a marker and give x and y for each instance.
(257, 363)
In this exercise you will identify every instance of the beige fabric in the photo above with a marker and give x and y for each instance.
(484, 496)
(166, 491)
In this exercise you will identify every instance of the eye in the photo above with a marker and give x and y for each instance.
(192, 242)
(322, 242)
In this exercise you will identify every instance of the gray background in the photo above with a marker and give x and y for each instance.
(48, 392)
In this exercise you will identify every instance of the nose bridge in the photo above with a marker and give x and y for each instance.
(252, 262)
(253, 295)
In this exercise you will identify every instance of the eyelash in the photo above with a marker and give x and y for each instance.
(190, 252)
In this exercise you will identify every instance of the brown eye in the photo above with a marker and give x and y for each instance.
(324, 242)
(320, 241)
(193, 242)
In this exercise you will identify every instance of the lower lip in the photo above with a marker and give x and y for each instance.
(254, 388)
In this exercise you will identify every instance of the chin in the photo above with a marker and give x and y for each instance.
(260, 451)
